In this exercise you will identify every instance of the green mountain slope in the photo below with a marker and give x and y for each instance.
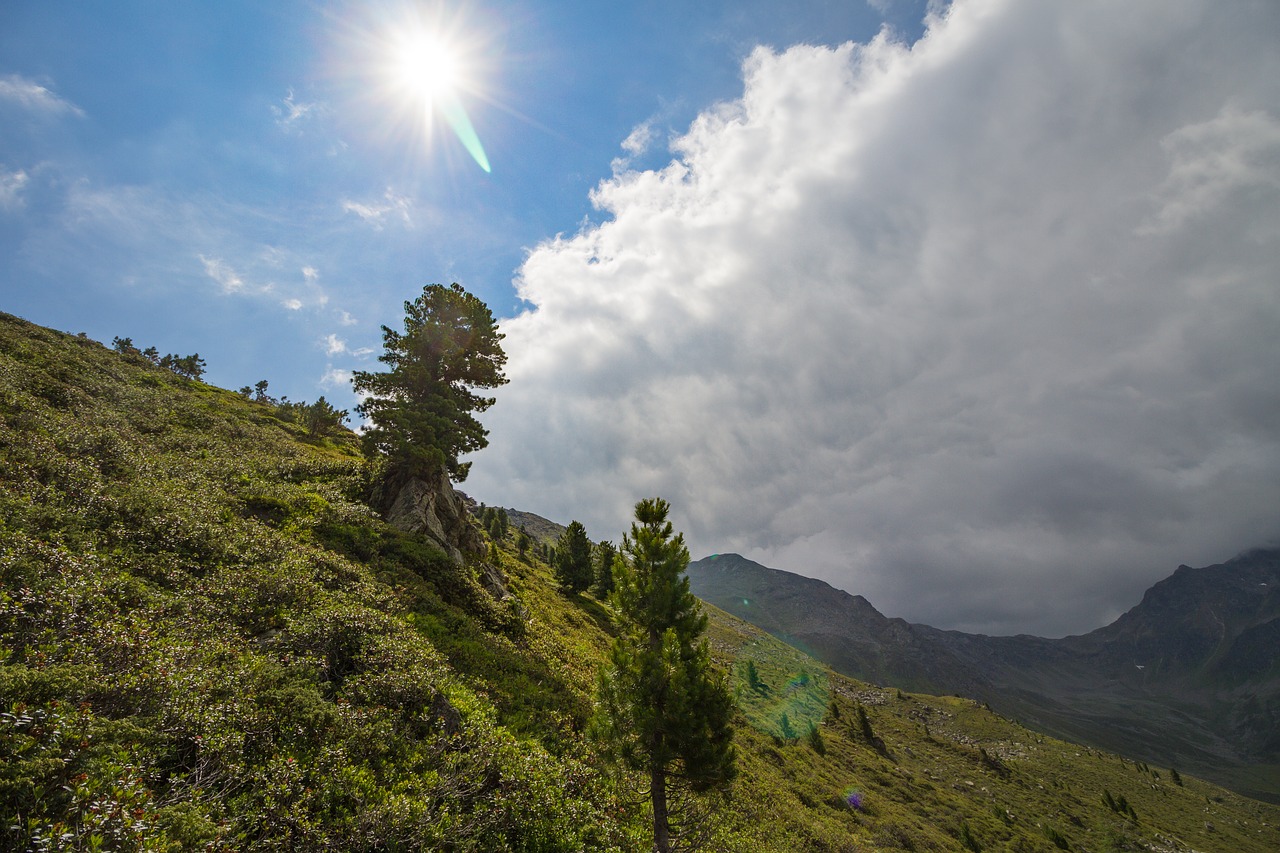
(1189, 677)
(208, 641)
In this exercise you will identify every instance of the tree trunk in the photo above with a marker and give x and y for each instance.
(661, 832)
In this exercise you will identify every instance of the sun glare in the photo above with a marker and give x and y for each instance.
(425, 66)
(418, 69)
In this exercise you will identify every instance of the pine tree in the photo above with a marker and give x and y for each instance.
(573, 558)
(321, 418)
(124, 346)
(661, 710)
(420, 411)
(602, 585)
(864, 724)
(753, 677)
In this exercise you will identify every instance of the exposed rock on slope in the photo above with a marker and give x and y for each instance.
(433, 508)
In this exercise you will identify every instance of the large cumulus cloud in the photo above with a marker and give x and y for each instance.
(985, 328)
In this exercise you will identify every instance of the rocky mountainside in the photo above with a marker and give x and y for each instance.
(539, 528)
(1190, 677)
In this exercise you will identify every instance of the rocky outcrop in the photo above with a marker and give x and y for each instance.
(433, 508)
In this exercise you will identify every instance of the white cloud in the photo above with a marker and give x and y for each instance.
(640, 139)
(982, 328)
(346, 319)
(310, 273)
(34, 97)
(334, 345)
(293, 304)
(227, 278)
(392, 204)
(290, 112)
(336, 377)
(11, 186)
(637, 144)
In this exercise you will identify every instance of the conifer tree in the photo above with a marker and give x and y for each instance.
(321, 418)
(661, 710)
(602, 585)
(420, 411)
(573, 558)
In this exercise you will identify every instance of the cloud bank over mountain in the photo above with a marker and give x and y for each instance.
(983, 328)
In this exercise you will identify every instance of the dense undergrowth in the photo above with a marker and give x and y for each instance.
(208, 641)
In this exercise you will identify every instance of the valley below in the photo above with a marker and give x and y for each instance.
(1188, 678)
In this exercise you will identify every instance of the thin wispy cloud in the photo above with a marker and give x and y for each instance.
(11, 187)
(638, 143)
(221, 272)
(393, 206)
(290, 112)
(639, 140)
(34, 97)
(948, 324)
(334, 345)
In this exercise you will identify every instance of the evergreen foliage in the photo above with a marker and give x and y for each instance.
(602, 583)
(573, 558)
(816, 740)
(864, 725)
(753, 677)
(661, 709)
(319, 419)
(420, 410)
(208, 643)
(187, 366)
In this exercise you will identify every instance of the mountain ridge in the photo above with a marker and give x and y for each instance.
(1188, 676)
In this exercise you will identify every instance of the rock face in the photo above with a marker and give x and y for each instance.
(432, 507)
(1190, 677)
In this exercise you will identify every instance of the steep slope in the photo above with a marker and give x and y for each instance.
(209, 641)
(1189, 677)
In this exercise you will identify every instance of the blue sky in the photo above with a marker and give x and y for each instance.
(969, 308)
(170, 151)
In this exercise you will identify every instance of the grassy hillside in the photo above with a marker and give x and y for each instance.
(208, 641)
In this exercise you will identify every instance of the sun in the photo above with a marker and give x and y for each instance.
(425, 66)
(413, 71)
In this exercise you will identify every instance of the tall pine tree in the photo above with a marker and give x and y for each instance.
(420, 411)
(661, 710)
(573, 558)
(602, 585)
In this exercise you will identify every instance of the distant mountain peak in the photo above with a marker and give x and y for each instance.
(1189, 675)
